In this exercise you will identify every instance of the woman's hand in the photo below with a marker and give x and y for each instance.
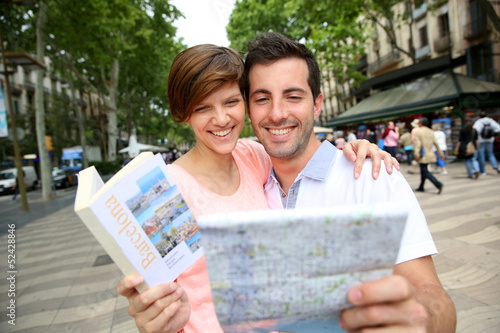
(358, 150)
(164, 308)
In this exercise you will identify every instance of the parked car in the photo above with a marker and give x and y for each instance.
(8, 178)
(64, 178)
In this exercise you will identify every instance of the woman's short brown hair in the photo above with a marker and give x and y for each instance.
(199, 71)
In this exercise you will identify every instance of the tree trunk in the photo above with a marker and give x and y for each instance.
(112, 121)
(45, 165)
(79, 116)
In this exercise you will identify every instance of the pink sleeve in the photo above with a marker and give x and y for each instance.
(256, 154)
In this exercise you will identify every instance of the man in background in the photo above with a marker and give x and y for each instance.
(486, 129)
(424, 154)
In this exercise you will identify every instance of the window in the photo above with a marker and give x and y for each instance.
(422, 32)
(444, 25)
(477, 17)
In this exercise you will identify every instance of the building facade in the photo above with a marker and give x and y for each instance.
(436, 36)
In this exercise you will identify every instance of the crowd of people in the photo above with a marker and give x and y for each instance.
(475, 145)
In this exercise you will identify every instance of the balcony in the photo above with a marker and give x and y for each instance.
(423, 52)
(476, 30)
(387, 60)
(443, 43)
(420, 11)
(363, 62)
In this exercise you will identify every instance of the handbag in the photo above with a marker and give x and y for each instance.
(470, 149)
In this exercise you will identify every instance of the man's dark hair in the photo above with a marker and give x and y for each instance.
(482, 114)
(270, 47)
(424, 121)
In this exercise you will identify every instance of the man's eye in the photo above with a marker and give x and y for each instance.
(295, 98)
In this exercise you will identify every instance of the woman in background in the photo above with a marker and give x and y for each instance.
(468, 134)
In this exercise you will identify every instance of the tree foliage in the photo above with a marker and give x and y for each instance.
(329, 28)
(85, 38)
(336, 30)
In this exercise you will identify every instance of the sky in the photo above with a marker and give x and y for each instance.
(205, 21)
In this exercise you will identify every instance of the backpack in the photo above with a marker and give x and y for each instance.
(487, 132)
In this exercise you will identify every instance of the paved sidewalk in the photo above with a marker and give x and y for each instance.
(64, 282)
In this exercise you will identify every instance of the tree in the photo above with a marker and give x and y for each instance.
(329, 28)
(387, 15)
(45, 167)
(119, 50)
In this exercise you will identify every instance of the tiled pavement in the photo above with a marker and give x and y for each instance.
(61, 286)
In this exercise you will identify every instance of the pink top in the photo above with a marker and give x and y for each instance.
(249, 196)
(391, 140)
(340, 143)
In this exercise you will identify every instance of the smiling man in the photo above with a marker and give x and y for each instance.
(284, 99)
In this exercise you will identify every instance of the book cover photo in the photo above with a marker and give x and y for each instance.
(150, 224)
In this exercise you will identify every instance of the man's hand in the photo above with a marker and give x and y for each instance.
(388, 305)
(357, 151)
(164, 308)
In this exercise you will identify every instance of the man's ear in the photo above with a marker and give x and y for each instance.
(318, 102)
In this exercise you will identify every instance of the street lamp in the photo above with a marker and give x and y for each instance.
(26, 61)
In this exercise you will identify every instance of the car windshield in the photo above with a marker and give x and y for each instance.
(7, 175)
(58, 173)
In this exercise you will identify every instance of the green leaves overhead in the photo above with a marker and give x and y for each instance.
(330, 28)
(85, 37)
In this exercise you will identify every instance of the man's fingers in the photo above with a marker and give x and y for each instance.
(126, 287)
(399, 314)
(393, 288)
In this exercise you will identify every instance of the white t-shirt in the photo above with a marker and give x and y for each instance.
(441, 140)
(327, 180)
(478, 126)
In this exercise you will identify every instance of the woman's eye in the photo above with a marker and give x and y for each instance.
(232, 102)
(201, 109)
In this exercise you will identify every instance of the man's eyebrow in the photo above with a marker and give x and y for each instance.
(294, 89)
(260, 91)
(286, 91)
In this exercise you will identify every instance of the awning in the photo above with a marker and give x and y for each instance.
(420, 97)
(318, 129)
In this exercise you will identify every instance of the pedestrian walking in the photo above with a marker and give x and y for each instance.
(371, 136)
(406, 143)
(15, 188)
(424, 141)
(486, 129)
(391, 136)
(351, 136)
(468, 134)
(340, 141)
(441, 139)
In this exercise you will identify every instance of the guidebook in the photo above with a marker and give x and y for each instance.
(140, 219)
(291, 270)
